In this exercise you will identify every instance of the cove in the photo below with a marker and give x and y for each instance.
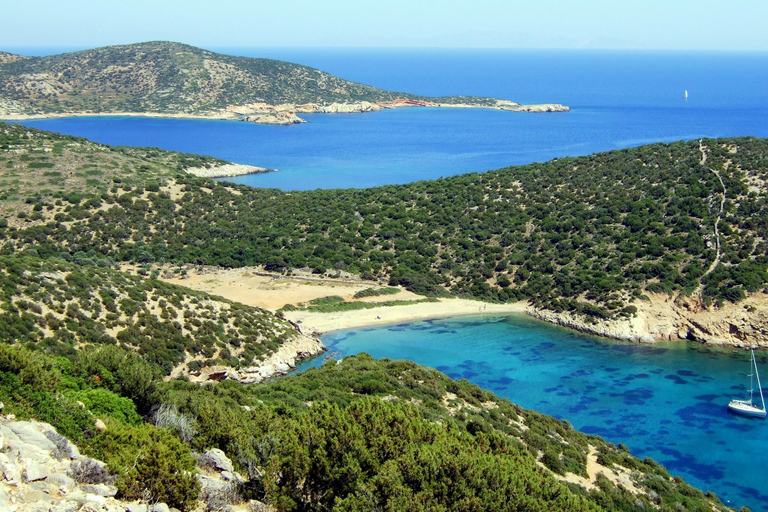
(665, 401)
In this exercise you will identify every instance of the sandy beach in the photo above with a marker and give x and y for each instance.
(385, 315)
(254, 287)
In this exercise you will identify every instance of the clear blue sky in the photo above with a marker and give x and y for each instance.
(635, 24)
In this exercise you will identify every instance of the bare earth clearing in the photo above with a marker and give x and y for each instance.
(252, 287)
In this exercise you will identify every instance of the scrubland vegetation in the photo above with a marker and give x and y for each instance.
(589, 234)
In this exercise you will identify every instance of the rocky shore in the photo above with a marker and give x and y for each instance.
(285, 114)
(662, 317)
(227, 171)
(280, 362)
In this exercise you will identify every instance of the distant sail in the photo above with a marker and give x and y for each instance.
(686, 94)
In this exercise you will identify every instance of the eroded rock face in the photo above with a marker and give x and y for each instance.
(744, 324)
(39, 470)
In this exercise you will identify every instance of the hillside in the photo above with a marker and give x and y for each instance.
(356, 434)
(176, 79)
(595, 237)
(63, 307)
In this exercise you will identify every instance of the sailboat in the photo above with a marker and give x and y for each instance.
(746, 407)
(686, 94)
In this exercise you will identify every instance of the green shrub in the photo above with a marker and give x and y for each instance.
(150, 464)
(106, 404)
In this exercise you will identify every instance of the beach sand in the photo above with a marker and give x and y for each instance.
(385, 315)
(250, 286)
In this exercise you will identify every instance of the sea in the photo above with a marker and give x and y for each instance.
(666, 401)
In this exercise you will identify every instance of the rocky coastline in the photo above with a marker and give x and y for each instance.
(227, 171)
(280, 362)
(286, 114)
(282, 114)
(669, 318)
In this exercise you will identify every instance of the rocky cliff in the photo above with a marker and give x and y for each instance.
(279, 362)
(662, 317)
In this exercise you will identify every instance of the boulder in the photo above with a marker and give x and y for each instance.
(211, 485)
(220, 460)
(66, 506)
(104, 490)
(61, 481)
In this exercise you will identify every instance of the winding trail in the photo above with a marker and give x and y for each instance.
(716, 262)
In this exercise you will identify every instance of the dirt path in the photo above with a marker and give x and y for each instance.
(716, 262)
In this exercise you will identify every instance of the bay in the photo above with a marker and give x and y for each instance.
(618, 100)
(665, 401)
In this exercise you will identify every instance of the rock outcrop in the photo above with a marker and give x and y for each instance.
(277, 118)
(279, 362)
(226, 171)
(662, 317)
(41, 471)
(285, 114)
(625, 329)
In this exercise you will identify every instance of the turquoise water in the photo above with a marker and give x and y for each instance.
(665, 401)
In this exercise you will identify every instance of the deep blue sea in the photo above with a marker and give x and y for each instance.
(618, 100)
(665, 401)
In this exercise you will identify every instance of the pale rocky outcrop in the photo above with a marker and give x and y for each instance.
(226, 170)
(279, 362)
(10, 109)
(278, 118)
(36, 465)
(286, 113)
(625, 329)
(743, 324)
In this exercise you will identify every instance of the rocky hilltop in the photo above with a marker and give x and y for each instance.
(177, 79)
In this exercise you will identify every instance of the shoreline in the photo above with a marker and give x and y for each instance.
(660, 318)
(227, 171)
(319, 324)
(285, 114)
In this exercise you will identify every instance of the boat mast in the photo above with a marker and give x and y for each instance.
(754, 364)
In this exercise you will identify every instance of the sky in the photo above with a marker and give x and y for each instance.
(726, 25)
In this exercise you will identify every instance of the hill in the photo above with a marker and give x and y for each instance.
(83, 341)
(591, 237)
(356, 434)
(177, 79)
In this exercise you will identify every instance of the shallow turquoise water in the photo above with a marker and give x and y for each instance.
(666, 401)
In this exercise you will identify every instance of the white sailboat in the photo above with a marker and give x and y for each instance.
(686, 94)
(746, 407)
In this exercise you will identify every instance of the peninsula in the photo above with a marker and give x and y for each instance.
(658, 242)
(172, 79)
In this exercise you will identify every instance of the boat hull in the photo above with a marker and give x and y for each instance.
(746, 409)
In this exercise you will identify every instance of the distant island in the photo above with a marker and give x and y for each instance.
(176, 80)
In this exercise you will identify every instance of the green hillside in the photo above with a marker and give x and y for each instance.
(62, 307)
(589, 234)
(173, 78)
(354, 435)
(81, 340)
